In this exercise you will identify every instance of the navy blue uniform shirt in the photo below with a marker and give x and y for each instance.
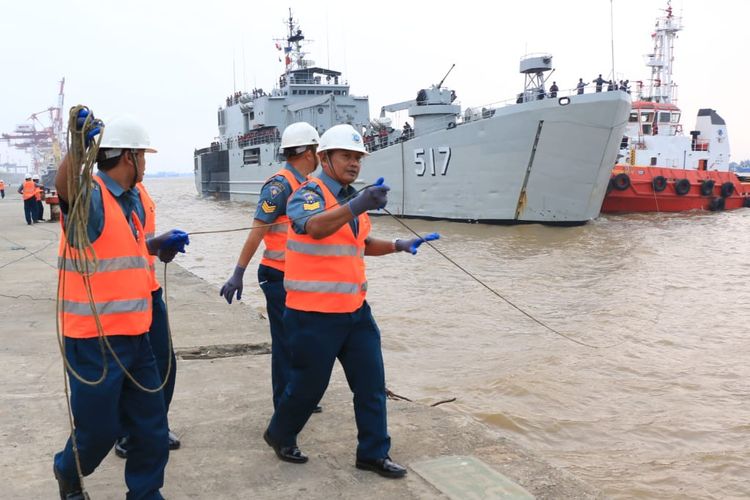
(308, 200)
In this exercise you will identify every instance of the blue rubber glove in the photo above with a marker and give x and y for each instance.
(166, 245)
(233, 284)
(371, 198)
(413, 244)
(83, 114)
(81, 118)
(98, 125)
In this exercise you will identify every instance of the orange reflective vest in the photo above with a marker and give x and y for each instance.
(2, 185)
(275, 238)
(149, 227)
(38, 193)
(29, 189)
(327, 275)
(120, 286)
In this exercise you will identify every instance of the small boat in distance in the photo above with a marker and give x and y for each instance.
(663, 169)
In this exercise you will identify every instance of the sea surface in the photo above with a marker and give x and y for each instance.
(655, 405)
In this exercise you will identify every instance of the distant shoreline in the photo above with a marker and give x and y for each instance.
(168, 174)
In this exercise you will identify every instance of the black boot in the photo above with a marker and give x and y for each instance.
(69, 490)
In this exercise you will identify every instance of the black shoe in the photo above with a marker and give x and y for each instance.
(383, 466)
(174, 443)
(318, 409)
(290, 454)
(69, 490)
(121, 447)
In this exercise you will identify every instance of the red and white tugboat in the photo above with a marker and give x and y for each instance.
(663, 169)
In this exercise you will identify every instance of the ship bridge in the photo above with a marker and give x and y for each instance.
(313, 81)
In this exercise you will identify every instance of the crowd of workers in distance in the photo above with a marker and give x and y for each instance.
(316, 233)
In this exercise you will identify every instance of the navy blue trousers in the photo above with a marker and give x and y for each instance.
(159, 337)
(30, 210)
(100, 412)
(318, 340)
(272, 283)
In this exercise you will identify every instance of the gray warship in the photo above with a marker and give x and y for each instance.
(540, 157)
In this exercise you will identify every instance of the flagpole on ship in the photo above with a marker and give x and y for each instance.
(612, 34)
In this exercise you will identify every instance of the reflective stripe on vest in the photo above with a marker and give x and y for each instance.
(149, 226)
(325, 286)
(107, 265)
(275, 238)
(112, 307)
(326, 250)
(121, 285)
(327, 275)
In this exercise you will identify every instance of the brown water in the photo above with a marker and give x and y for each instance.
(664, 414)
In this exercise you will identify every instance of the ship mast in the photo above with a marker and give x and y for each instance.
(294, 56)
(661, 87)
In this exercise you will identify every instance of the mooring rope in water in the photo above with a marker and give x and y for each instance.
(442, 254)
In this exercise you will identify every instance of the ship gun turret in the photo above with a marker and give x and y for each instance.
(434, 110)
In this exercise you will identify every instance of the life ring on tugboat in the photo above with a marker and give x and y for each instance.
(717, 204)
(621, 182)
(682, 187)
(707, 187)
(659, 183)
(727, 189)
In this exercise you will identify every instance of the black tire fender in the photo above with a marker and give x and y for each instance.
(681, 187)
(707, 187)
(621, 181)
(659, 183)
(717, 204)
(727, 189)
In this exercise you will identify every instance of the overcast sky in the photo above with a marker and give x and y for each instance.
(171, 63)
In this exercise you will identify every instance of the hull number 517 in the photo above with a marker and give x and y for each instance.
(431, 158)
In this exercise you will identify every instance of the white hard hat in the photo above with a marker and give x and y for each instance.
(342, 137)
(35, 177)
(299, 134)
(28, 176)
(125, 132)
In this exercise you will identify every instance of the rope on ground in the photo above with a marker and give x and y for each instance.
(397, 397)
(28, 254)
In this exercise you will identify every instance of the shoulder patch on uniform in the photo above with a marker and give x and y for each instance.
(311, 201)
(275, 188)
(268, 208)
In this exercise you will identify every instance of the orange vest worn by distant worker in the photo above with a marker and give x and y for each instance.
(121, 286)
(275, 238)
(2, 185)
(327, 275)
(149, 227)
(29, 189)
